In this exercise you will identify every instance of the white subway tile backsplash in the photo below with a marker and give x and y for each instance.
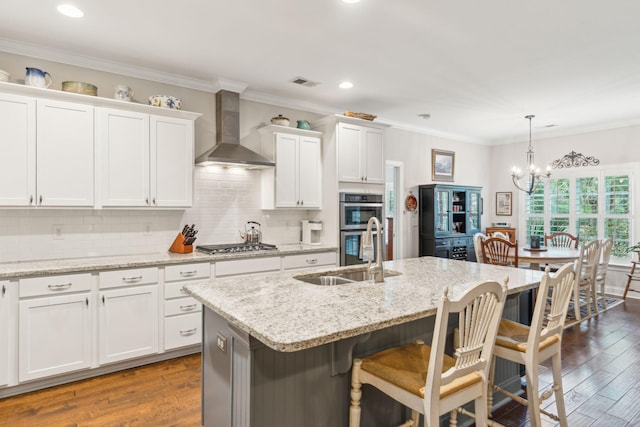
(224, 200)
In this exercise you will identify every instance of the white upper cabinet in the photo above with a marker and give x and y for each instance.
(123, 141)
(65, 154)
(48, 161)
(360, 154)
(145, 160)
(295, 182)
(171, 161)
(68, 150)
(18, 150)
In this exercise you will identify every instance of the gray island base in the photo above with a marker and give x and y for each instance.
(277, 351)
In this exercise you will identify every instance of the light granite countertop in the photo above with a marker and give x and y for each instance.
(16, 270)
(289, 315)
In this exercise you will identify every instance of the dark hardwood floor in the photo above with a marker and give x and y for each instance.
(600, 364)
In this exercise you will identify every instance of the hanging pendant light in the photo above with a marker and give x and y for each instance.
(532, 174)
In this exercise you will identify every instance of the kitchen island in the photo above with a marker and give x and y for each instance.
(277, 351)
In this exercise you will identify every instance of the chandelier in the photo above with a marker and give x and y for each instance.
(533, 174)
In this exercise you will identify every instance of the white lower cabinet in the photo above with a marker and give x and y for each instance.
(316, 259)
(54, 325)
(127, 315)
(182, 313)
(4, 333)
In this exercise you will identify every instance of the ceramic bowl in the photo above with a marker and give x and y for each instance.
(165, 101)
(4, 76)
(280, 120)
(80, 87)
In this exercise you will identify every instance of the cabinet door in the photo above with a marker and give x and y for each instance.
(4, 333)
(123, 143)
(287, 171)
(374, 158)
(442, 212)
(309, 172)
(128, 323)
(474, 212)
(18, 152)
(171, 161)
(54, 335)
(65, 154)
(350, 167)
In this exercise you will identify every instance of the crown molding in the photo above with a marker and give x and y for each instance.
(66, 57)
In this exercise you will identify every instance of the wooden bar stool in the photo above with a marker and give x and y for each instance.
(632, 276)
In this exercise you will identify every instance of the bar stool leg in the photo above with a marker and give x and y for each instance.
(631, 278)
(556, 366)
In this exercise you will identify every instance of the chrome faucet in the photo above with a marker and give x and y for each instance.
(376, 270)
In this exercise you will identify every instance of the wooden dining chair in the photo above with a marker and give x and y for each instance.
(477, 245)
(499, 251)
(586, 272)
(605, 255)
(532, 345)
(561, 240)
(424, 378)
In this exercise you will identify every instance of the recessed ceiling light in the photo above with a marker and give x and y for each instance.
(345, 85)
(70, 11)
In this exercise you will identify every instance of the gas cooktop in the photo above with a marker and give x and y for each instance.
(236, 247)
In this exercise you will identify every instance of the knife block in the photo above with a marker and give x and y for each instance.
(179, 247)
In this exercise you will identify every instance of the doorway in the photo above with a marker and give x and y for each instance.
(394, 172)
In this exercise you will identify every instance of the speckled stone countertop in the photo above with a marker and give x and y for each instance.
(289, 315)
(11, 270)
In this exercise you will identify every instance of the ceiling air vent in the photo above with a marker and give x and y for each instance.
(304, 82)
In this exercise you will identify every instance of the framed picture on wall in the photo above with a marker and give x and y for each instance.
(503, 203)
(442, 165)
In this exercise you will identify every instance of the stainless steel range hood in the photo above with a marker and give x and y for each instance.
(228, 151)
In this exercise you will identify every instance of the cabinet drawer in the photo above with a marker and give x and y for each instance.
(134, 276)
(175, 290)
(460, 242)
(180, 331)
(50, 285)
(309, 260)
(442, 243)
(181, 306)
(187, 271)
(247, 266)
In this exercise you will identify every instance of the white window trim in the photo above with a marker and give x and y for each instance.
(631, 169)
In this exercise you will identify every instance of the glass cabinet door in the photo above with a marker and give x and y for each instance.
(443, 203)
(474, 211)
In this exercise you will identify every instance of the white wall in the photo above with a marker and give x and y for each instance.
(414, 150)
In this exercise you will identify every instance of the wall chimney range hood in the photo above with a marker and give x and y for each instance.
(228, 151)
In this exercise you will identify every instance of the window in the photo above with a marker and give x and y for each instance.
(590, 203)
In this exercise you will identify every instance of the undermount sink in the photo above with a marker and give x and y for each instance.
(341, 277)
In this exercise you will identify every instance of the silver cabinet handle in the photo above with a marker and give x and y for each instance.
(132, 279)
(154, 201)
(302, 203)
(31, 199)
(4, 290)
(189, 307)
(146, 200)
(86, 300)
(60, 286)
(312, 261)
(188, 332)
(188, 273)
(362, 178)
(41, 199)
(365, 178)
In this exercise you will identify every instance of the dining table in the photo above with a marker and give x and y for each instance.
(546, 255)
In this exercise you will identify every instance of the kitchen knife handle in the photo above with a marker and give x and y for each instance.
(188, 332)
(60, 286)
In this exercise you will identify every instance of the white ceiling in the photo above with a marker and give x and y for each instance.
(478, 67)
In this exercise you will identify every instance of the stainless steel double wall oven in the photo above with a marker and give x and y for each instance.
(355, 211)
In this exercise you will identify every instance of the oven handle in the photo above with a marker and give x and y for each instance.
(374, 205)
